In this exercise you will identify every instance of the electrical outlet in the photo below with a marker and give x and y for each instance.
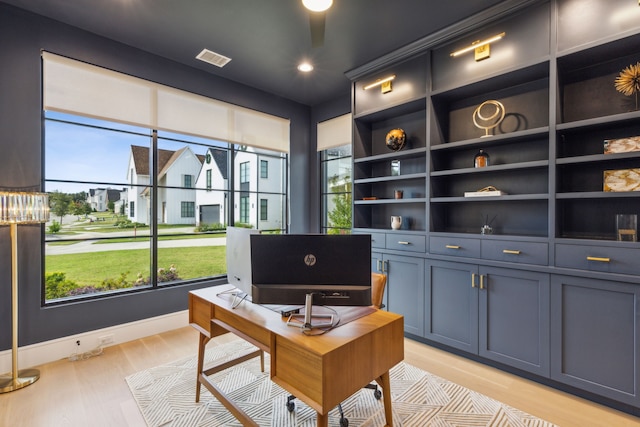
(105, 340)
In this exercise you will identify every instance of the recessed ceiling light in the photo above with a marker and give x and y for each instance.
(317, 5)
(305, 67)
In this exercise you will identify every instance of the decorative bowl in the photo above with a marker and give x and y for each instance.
(395, 139)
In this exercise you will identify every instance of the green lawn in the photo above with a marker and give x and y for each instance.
(92, 268)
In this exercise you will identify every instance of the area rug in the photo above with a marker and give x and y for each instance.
(166, 397)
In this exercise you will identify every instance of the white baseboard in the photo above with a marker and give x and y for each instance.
(61, 348)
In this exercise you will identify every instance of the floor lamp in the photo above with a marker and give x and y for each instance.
(19, 208)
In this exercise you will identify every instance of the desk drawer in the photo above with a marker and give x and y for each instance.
(598, 258)
(515, 251)
(455, 246)
(406, 242)
(249, 329)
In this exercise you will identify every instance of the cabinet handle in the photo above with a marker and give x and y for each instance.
(482, 281)
(403, 243)
(473, 280)
(595, 258)
(510, 251)
(379, 265)
(384, 266)
(452, 247)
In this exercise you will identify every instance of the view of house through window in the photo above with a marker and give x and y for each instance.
(336, 189)
(133, 208)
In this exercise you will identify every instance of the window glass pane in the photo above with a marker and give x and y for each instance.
(100, 179)
(336, 190)
(88, 251)
(251, 193)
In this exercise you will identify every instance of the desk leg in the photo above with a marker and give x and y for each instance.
(385, 383)
(202, 344)
(322, 420)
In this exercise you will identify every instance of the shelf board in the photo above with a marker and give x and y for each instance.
(390, 201)
(599, 121)
(598, 195)
(504, 198)
(493, 140)
(593, 158)
(399, 109)
(537, 69)
(494, 168)
(395, 155)
(390, 178)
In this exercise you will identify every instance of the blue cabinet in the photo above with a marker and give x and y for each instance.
(498, 313)
(405, 288)
(594, 336)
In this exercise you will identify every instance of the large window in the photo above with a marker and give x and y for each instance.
(336, 189)
(153, 227)
(149, 148)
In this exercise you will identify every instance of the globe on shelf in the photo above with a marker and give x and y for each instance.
(395, 139)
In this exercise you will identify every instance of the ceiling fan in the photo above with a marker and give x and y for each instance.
(317, 15)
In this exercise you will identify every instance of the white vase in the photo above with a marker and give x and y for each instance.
(396, 222)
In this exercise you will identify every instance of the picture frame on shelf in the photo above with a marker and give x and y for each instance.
(621, 180)
(622, 145)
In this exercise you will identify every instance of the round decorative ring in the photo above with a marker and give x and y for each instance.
(493, 120)
(396, 139)
(494, 115)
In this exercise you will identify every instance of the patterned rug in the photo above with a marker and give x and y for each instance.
(165, 396)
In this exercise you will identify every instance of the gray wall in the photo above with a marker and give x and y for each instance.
(23, 36)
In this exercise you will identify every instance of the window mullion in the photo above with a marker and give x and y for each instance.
(153, 208)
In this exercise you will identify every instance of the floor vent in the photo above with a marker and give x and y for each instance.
(213, 58)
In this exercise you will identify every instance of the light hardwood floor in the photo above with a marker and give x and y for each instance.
(93, 392)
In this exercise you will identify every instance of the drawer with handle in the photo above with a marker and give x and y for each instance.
(406, 242)
(516, 251)
(598, 258)
(455, 246)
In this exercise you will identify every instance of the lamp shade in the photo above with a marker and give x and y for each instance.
(23, 207)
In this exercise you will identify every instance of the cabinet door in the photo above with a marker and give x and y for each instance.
(452, 305)
(594, 336)
(405, 290)
(514, 318)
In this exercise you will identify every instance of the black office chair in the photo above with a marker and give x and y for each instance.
(378, 284)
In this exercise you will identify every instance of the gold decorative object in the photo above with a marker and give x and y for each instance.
(628, 81)
(489, 121)
(622, 180)
(396, 139)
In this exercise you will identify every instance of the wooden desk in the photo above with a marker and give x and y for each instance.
(322, 371)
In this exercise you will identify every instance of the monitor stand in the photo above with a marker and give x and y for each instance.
(238, 296)
(305, 321)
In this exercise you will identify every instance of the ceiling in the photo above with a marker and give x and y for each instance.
(266, 39)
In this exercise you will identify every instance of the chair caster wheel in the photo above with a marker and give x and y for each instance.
(377, 394)
(344, 422)
(291, 406)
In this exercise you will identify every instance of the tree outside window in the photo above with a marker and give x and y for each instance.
(336, 190)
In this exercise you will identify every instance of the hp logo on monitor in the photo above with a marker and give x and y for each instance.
(310, 260)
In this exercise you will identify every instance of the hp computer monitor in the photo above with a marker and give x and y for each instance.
(336, 269)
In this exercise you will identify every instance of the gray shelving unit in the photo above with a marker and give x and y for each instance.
(517, 298)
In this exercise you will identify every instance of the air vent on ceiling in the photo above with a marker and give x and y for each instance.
(213, 58)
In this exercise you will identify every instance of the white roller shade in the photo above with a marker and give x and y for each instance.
(78, 88)
(335, 132)
(74, 87)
